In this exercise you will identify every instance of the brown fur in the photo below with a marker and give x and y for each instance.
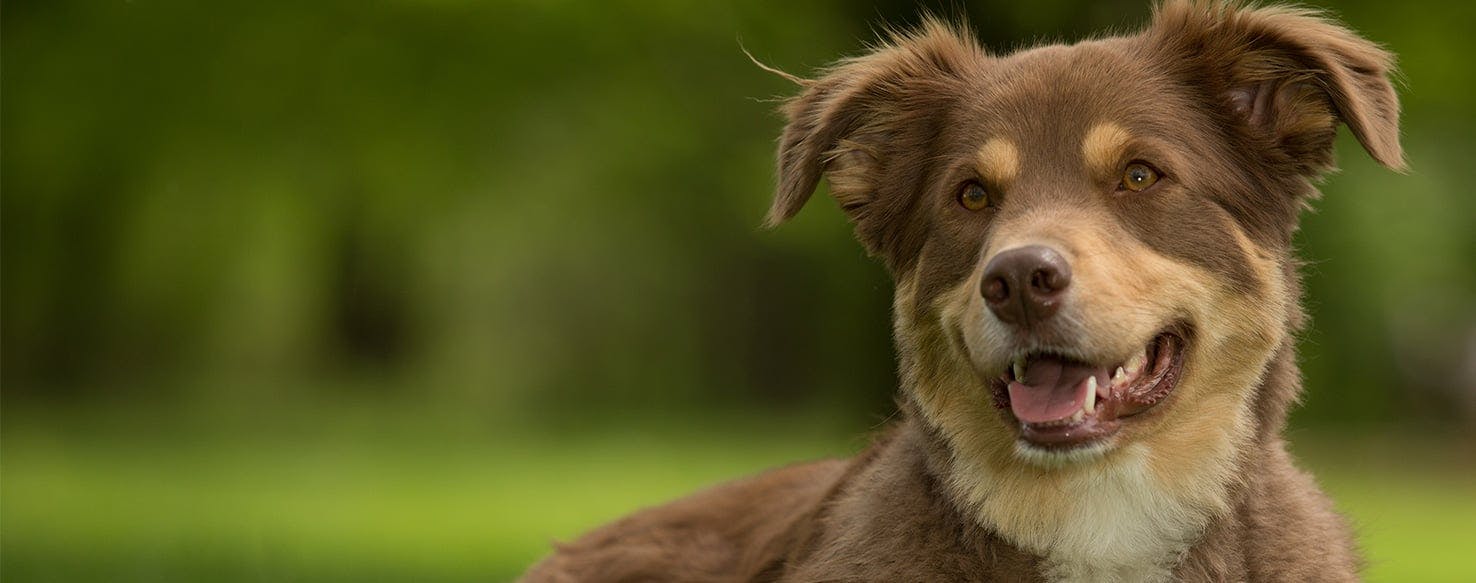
(1237, 107)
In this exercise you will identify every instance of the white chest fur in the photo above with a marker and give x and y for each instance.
(1112, 522)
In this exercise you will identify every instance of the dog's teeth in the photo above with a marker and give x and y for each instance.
(1077, 417)
(1119, 376)
(1090, 405)
(1136, 363)
(1020, 368)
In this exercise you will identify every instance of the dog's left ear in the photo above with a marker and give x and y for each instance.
(863, 122)
(1287, 76)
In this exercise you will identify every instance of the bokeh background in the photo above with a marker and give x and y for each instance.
(404, 290)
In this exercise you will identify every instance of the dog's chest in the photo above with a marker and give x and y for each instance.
(1118, 524)
(1088, 572)
(1124, 536)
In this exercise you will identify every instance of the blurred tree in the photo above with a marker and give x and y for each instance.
(519, 206)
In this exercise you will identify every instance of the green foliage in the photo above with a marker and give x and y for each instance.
(518, 205)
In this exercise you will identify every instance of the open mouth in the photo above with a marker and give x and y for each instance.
(1062, 403)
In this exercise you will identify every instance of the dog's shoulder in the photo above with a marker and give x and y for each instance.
(1295, 534)
(891, 522)
(712, 535)
(1284, 528)
(878, 516)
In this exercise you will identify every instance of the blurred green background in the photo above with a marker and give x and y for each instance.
(404, 290)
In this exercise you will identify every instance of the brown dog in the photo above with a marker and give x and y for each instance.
(1095, 309)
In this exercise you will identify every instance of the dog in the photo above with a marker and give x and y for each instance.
(1096, 308)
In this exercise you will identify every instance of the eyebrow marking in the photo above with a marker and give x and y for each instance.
(1103, 146)
(999, 160)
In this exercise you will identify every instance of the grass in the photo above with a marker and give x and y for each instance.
(80, 505)
(1412, 501)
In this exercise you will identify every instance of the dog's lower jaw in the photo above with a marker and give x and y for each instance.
(1055, 459)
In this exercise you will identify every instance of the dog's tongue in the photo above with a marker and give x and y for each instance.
(1051, 390)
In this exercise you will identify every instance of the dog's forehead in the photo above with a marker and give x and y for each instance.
(1066, 101)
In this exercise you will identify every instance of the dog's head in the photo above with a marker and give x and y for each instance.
(1091, 244)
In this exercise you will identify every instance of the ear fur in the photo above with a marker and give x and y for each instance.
(842, 125)
(1289, 75)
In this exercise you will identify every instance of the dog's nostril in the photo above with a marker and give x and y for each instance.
(1048, 280)
(1038, 281)
(996, 289)
(1021, 286)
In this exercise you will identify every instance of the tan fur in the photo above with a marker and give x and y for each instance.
(1197, 487)
(1102, 148)
(999, 161)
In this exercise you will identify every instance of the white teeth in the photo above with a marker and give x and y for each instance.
(1119, 376)
(1077, 417)
(1090, 405)
(1020, 368)
(1136, 363)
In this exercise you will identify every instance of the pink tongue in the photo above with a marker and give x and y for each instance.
(1052, 390)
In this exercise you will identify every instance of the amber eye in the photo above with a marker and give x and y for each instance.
(973, 196)
(1138, 176)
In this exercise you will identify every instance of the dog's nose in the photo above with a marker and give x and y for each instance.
(1024, 285)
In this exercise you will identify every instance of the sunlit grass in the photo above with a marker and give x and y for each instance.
(1412, 501)
(376, 507)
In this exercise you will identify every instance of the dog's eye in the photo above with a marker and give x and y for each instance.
(1138, 177)
(973, 196)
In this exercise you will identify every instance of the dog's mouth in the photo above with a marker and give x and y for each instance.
(1062, 403)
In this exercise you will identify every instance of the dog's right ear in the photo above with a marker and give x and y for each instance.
(845, 125)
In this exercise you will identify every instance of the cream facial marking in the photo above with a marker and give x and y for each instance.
(1102, 148)
(999, 161)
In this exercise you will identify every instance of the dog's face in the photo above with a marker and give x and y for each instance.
(1091, 243)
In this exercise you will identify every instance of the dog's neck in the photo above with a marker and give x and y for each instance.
(1108, 519)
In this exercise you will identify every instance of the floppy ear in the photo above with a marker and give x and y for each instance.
(849, 125)
(1288, 76)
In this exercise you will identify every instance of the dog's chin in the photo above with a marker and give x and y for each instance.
(1055, 457)
(1068, 411)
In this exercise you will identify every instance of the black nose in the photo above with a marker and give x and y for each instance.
(1024, 285)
